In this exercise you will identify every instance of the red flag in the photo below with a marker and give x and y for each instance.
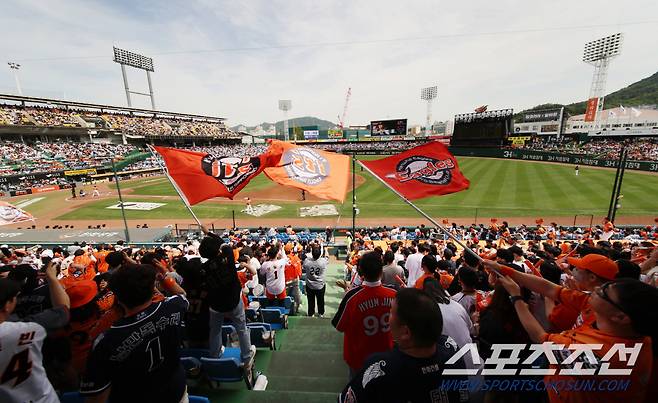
(321, 173)
(426, 170)
(201, 176)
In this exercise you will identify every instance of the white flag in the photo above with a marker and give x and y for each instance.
(623, 110)
(636, 112)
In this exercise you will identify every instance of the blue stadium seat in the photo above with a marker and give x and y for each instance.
(192, 366)
(275, 318)
(229, 368)
(251, 314)
(194, 352)
(262, 335)
(198, 399)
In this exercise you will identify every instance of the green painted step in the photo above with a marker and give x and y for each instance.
(307, 383)
(304, 363)
(269, 396)
(310, 322)
(313, 335)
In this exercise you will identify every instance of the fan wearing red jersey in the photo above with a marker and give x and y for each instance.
(363, 315)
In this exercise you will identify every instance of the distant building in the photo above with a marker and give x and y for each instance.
(620, 121)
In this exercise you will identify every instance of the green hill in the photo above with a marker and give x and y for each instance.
(643, 92)
(296, 122)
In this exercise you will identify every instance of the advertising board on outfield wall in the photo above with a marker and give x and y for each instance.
(528, 155)
(520, 154)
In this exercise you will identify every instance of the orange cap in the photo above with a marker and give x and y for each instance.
(81, 292)
(597, 264)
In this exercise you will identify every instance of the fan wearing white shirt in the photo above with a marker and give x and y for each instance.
(274, 271)
(413, 264)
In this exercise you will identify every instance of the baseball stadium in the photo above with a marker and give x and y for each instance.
(161, 255)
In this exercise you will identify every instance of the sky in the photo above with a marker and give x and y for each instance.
(236, 59)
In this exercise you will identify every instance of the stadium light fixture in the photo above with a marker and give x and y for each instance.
(598, 53)
(14, 69)
(285, 105)
(428, 94)
(132, 59)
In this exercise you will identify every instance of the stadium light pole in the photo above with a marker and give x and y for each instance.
(127, 58)
(14, 68)
(598, 53)
(428, 94)
(285, 105)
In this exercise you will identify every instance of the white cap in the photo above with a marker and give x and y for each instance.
(47, 253)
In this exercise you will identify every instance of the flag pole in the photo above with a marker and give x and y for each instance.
(123, 211)
(421, 212)
(173, 183)
(353, 196)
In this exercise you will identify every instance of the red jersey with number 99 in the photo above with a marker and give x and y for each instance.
(364, 317)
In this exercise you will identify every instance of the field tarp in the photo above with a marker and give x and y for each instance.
(68, 236)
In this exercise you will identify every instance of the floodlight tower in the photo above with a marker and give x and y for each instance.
(285, 105)
(127, 58)
(428, 94)
(14, 68)
(598, 53)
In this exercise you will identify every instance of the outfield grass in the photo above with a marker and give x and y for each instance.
(503, 188)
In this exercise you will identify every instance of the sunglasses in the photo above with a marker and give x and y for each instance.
(602, 292)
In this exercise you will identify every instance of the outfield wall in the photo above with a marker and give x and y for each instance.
(530, 155)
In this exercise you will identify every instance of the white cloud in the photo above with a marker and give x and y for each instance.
(521, 69)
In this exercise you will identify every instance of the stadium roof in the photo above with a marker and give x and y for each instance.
(72, 104)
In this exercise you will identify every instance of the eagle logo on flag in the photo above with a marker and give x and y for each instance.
(230, 171)
(424, 169)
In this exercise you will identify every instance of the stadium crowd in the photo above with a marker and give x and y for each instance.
(504, 232)
(19, 158)
(566, 293)
(142, 125)
(367, 146)
(87, 318)
(639, 149)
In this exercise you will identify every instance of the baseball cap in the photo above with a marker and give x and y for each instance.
(597, 264)
(81, 292)
(47, 253)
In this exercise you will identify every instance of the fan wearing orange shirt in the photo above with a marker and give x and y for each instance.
(87, 321)
(574, 310)
(621, 317)
(82, 268)
(101, 264)
(293, 272)
(430, 270)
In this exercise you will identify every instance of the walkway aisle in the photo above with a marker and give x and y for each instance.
(308, 364)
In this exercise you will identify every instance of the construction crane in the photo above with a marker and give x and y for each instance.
(341, 119)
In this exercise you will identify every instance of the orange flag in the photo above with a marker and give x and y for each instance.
(321, 173)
